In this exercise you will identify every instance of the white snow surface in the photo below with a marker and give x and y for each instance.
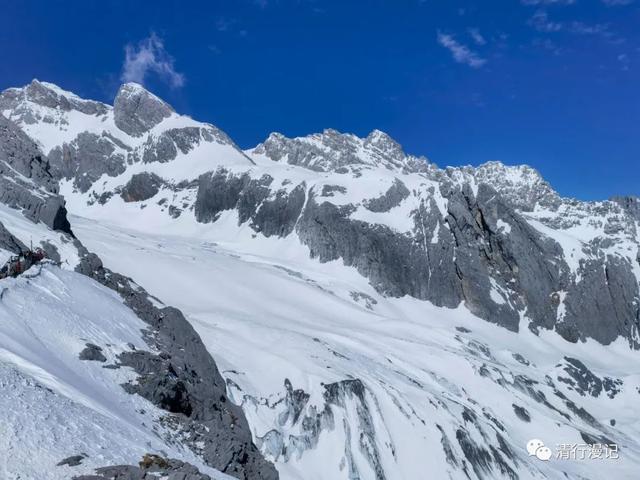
(53, 405)
(267, 313)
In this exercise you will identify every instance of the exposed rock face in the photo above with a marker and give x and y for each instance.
(584, 381)
(150, 468)
(136, 110)
(92, 353)
(341, 400)
(395, 264)
(391, 198)
(271, 213)
(217, 192)
(142, 186)
(630, 205)
(86, 159)
(26, 181)
(521, 186)
(603, 303)
(9, 242)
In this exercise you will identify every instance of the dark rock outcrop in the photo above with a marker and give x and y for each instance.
(151, 467)
(141, 186)
(86, 159)
(72, 461)
(184, 380)
(391, 198)
(26, 181)
(136, 110)
(92, 353)
(630, 204)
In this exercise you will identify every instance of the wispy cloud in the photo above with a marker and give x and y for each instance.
(623, 58)
(542, 23)
(477, 36)
(587, 29)
(460, 52)
(150, 56)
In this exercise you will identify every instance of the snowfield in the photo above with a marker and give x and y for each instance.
(54, 405)
(267, 313)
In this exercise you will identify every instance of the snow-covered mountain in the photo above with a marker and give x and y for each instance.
(375, 316)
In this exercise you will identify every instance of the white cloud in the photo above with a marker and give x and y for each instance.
(150, 56)
(461, 53)
(477, 36)
(541, 22)
(585, 29)
(623, 58)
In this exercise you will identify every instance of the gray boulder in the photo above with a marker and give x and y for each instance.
(92, 353)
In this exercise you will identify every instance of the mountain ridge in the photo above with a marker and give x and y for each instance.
(365, 306)
(494, 228)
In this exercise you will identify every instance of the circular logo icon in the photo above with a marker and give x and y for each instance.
(543, 453)
(533, 445)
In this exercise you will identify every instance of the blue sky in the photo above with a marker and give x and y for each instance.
(551, 83)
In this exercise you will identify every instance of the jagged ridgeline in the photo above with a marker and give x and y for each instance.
(496, 239)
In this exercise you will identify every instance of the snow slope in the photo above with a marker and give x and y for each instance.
(432, 376)
(52, 404)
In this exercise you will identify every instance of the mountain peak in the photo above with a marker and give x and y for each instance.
(51, 88)
(44, 94)
(136, 110)
(45, 102)
(522, 185)
(333, 150)
(386, 144)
